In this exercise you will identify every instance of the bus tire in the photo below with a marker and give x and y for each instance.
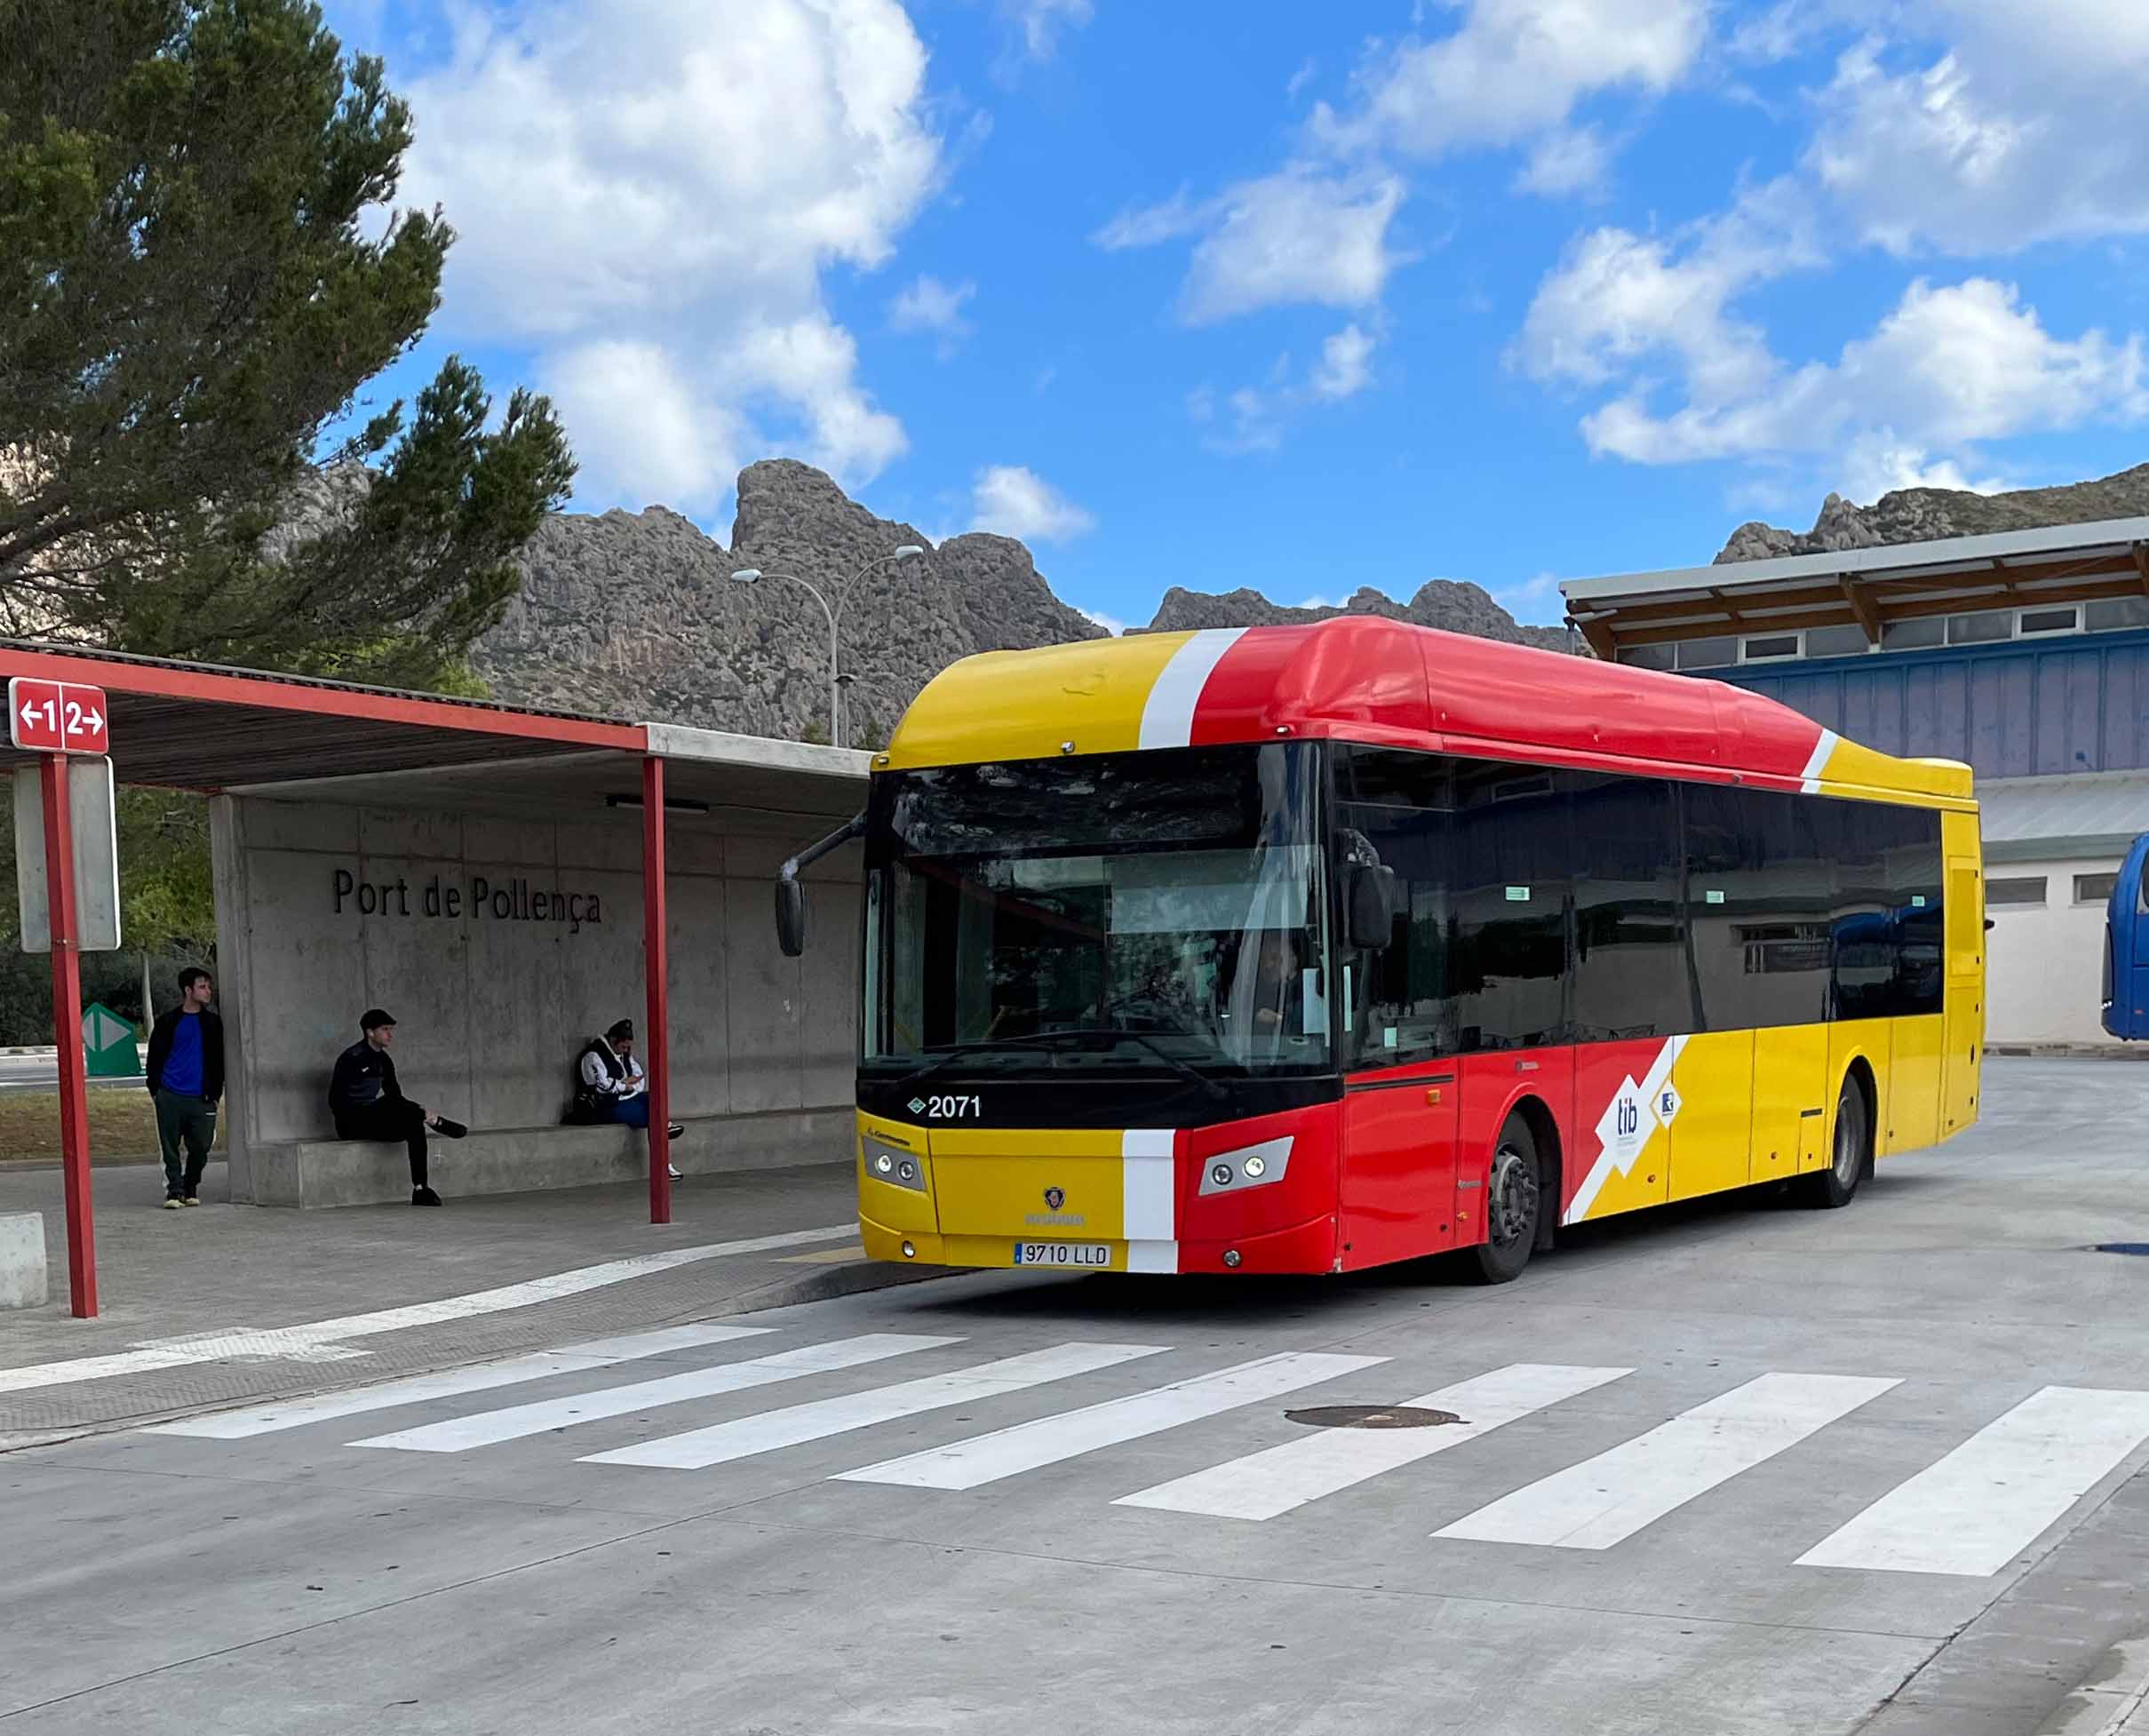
(1514, 1206)
(1852, 1154)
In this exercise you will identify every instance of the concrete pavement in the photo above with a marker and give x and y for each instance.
(1731, 1469)
(223, 1303)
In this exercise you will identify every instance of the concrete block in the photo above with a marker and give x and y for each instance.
(324, 1172)
(318, 1174)
(22, 1272)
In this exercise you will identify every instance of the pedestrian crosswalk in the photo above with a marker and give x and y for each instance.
(1982, 1497)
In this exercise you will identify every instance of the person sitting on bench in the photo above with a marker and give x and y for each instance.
(368, 1103)
(611, 1085)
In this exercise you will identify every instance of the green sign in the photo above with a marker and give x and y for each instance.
(110, 1041)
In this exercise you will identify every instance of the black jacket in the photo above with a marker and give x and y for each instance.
(363, 1075)
(212, 1050)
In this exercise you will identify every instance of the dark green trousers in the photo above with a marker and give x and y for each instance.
(190, 1122)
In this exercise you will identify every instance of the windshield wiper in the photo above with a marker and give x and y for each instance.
(956, 1051)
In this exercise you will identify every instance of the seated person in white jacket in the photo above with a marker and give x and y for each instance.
(612, 1086)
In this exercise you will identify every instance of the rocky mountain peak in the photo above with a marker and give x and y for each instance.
(1915, 515)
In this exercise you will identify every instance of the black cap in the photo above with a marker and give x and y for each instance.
(373, 1019)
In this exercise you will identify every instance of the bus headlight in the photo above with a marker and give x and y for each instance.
(897, 1168)
(1250, 1166)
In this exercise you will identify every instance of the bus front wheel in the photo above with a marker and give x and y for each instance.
(1515, 1197)
(1834, 1185)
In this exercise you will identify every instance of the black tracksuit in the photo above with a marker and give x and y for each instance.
(368, 1103)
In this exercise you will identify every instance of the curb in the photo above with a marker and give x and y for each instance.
(827, 1284)
(2113, 1700)
(2072, 1051)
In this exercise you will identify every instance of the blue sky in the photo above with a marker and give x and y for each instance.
(1296, 296)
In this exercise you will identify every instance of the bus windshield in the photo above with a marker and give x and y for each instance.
(1144, 912)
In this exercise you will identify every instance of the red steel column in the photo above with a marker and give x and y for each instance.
(655, 970)
(66, 1031)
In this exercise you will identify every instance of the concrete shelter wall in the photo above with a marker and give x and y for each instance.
(492, 1011)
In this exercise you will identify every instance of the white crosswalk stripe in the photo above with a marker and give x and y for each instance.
(983, 1458)
(490, 1428)
(1324, 1460)
(1971, 1512)
(1605, 1500)
(451, 1382)
(1976, 1509)
(746, 1436)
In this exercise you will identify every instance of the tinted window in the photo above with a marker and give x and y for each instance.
(1399, 806)
(1917, 898)
(1631, 977)
(1508, 891)
(1760, 896)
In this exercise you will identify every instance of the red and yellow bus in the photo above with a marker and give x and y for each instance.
(1309, 949)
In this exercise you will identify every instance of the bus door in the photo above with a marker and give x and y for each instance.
(2126, 994)
(1965, 930)
(1399, 1193)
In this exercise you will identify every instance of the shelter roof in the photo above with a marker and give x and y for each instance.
(1865, 586)
(197, 727)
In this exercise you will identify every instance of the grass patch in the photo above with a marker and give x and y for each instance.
(123, 1126)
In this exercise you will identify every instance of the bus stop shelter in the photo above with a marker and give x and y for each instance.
(500, 878)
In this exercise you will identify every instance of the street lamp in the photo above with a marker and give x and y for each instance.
(754, 575)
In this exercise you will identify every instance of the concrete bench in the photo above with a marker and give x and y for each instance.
(312, 1172)
(22, 1273)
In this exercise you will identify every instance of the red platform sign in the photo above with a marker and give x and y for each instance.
(57, 717)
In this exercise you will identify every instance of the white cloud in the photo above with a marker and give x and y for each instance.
(1345, 366)
(1296, 238)
(1949, 367)
(1039, 23)
(929, 305)
(1617, 298)
(1111, 624)
(1878, 463)
(650, 207)
(1570, 161)
(1536, 601)
(1145, 226)
(2011, 124)
(1300, 79)
(1255, 417)
(1514, 69)
(1015, 501)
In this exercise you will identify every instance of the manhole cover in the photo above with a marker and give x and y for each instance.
(1372, 1416)
(2120, 1247)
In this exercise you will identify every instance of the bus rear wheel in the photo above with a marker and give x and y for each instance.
(1514, 1199)
(1835, 1185)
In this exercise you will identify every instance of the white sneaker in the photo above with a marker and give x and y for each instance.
(676, 1176)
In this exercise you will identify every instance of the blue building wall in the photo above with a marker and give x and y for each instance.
(2078, 703)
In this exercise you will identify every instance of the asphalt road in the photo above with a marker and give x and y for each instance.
(40, 1072)
(1737, 1467)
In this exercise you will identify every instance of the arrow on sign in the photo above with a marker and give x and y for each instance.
(96, 719)
(101, 1030)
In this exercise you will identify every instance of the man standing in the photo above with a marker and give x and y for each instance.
(186, 1077)
(368, 1103)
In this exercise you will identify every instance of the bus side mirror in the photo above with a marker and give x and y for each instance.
(1369, 916)
(790, 917)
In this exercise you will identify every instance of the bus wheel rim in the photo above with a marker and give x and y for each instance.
(1514, 1198)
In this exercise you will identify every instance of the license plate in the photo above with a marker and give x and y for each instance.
(1062, 1253)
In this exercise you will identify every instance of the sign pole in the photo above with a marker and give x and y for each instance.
(67, 1022)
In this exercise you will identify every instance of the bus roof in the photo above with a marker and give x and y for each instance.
(1386, 683)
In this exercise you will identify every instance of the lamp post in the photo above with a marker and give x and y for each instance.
(754, 575)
